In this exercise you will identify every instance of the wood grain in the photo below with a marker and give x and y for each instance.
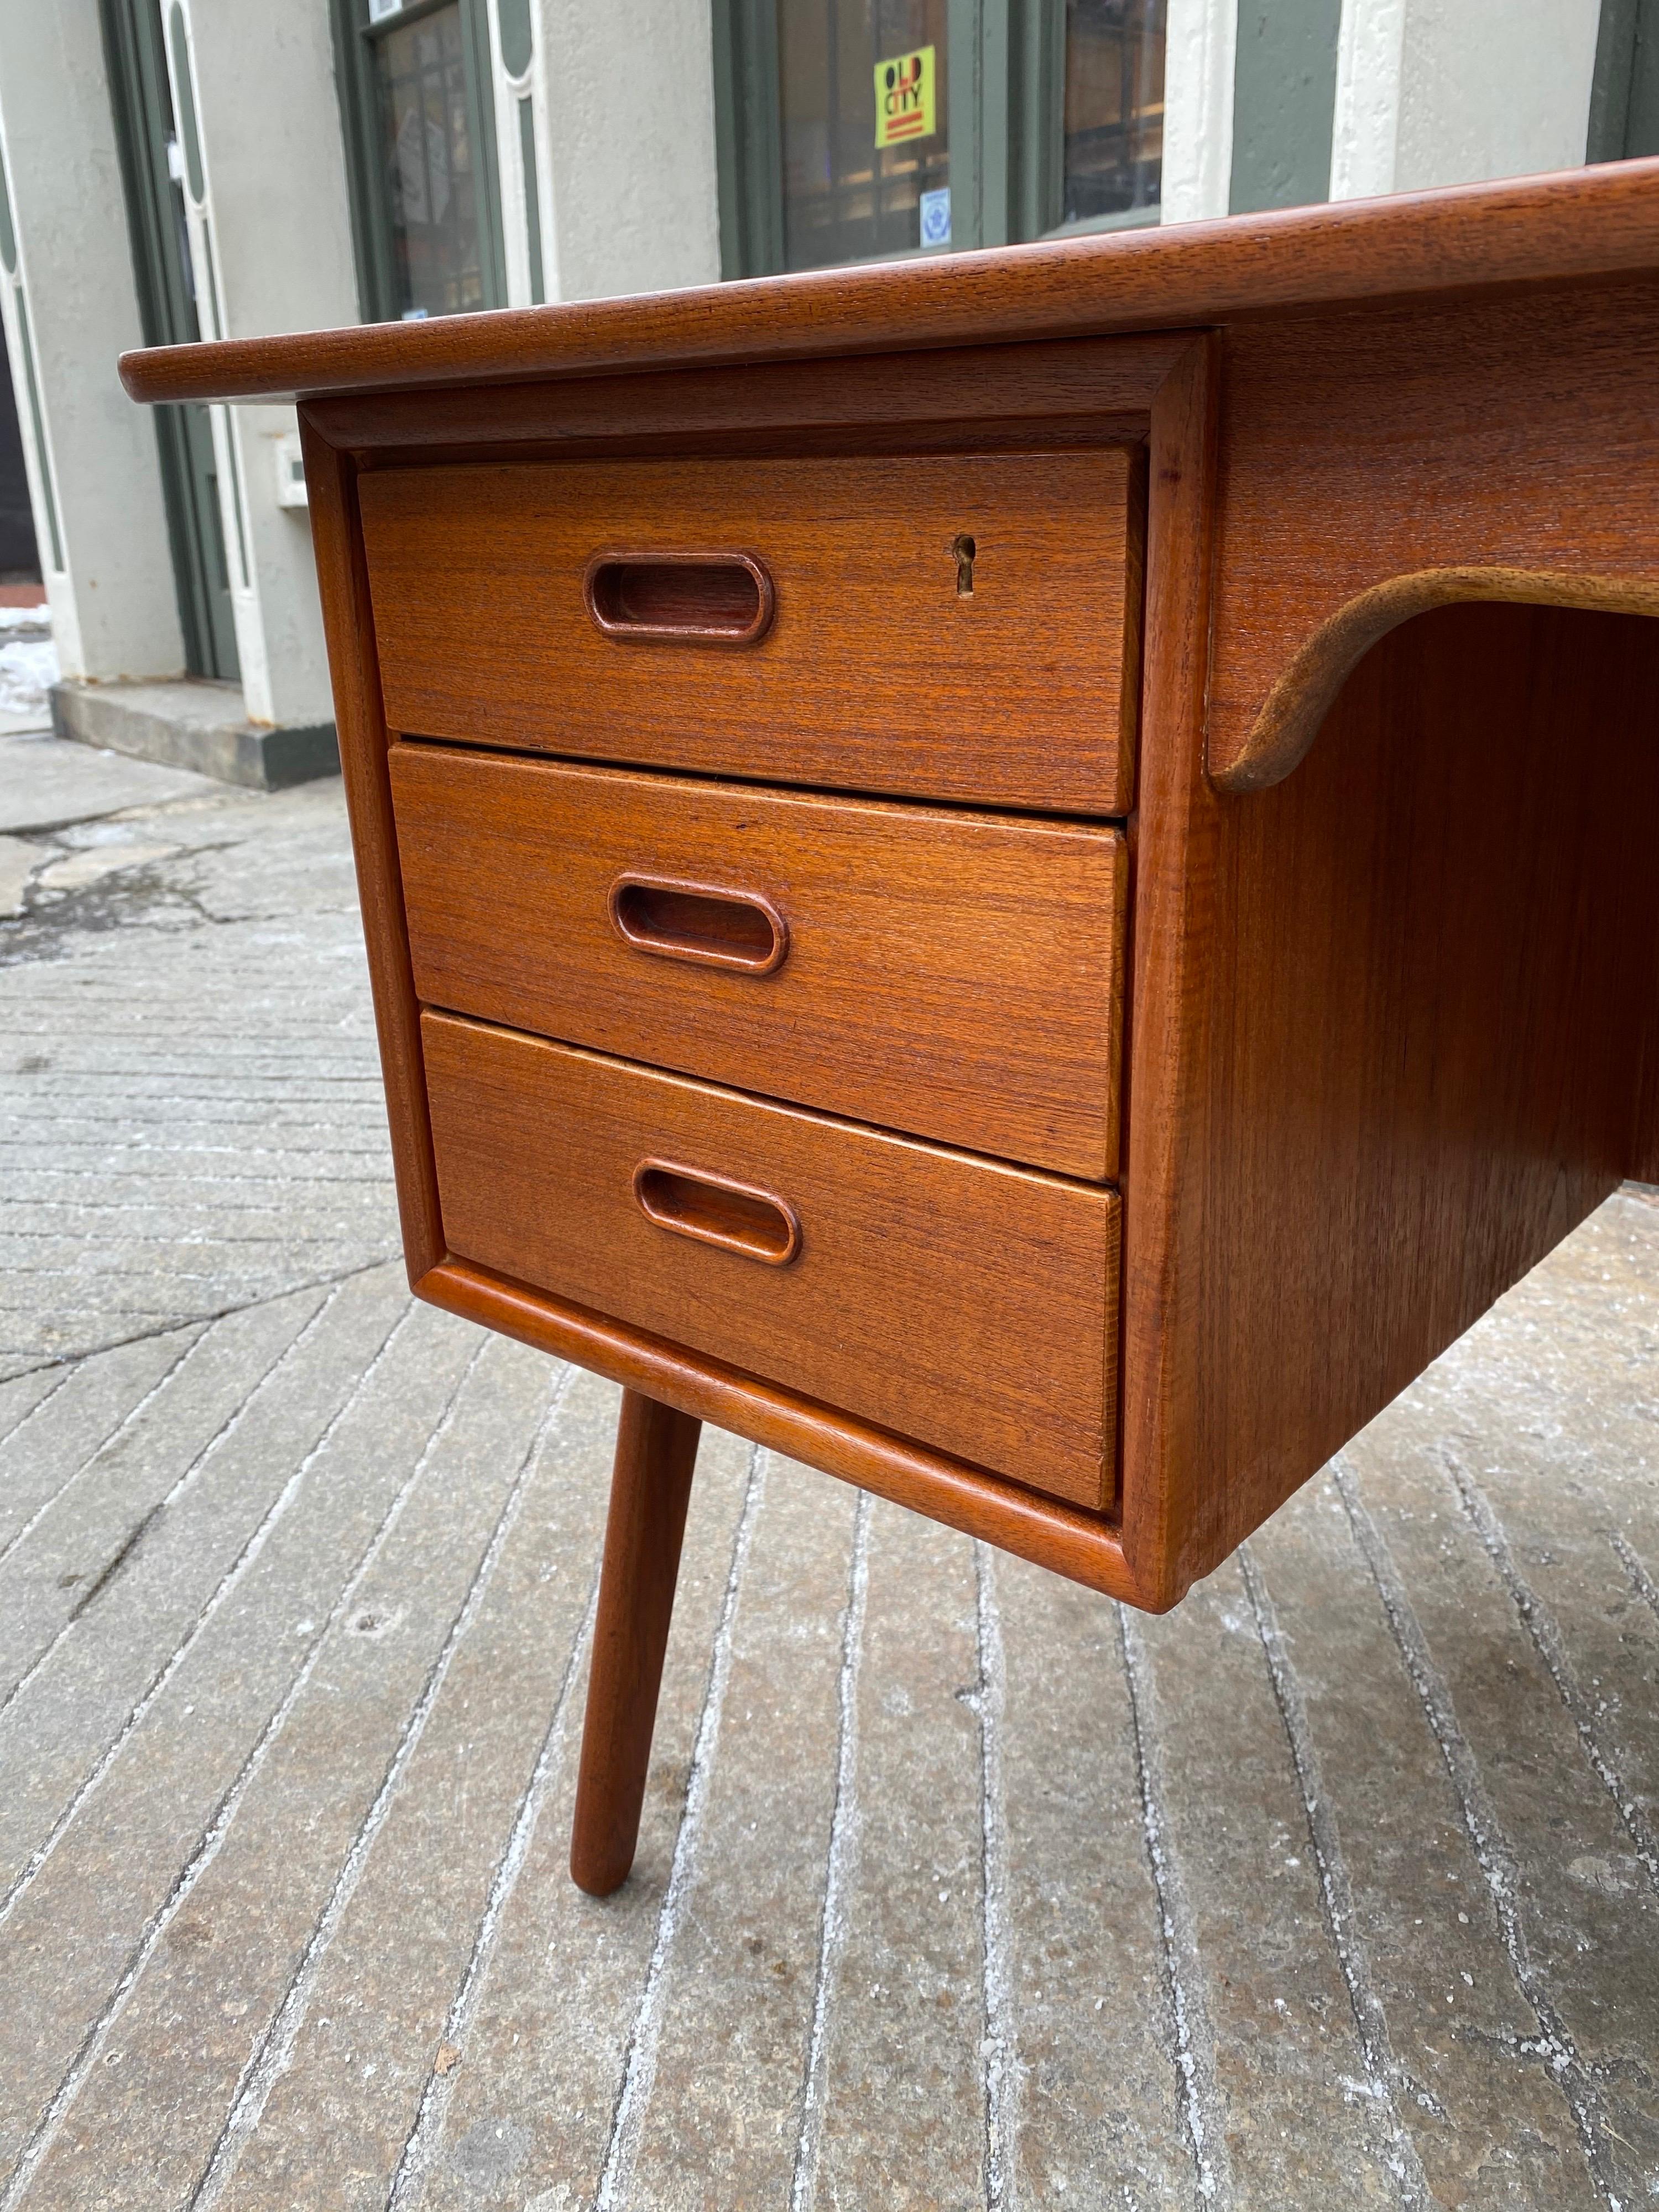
(343, 583)
(1165, 1009)
(1083, 1547)
(1583, 222)
(1389, 1023)
(956, 975)
(1376, 463)
(876, 674)
(650, 1491)
(1075, 390)
(967, 1304)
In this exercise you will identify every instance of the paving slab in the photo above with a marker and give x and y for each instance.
(904, 2110)
(743, 1987)
(957, 1885)
(534, 2109)
(47, 781)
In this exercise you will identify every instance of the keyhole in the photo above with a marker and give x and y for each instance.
(962, 549)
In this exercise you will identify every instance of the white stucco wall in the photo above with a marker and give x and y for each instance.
(275, 219)
(1446, 92)
(1201, 41)
(114, 608)
(632, 201)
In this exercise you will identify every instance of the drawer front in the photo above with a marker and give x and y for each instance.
(954, 975)
(798, 621)
(965, 1304)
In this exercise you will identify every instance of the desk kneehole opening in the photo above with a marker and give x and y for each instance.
(696, 598)
(703, 922)
(712, 1210)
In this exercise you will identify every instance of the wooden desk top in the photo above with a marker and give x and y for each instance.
(1594, 222)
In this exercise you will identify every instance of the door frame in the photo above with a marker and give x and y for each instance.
(135, 63)
(354, 38)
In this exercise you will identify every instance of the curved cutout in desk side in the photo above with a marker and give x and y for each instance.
(1306, 692)
(1377, 463)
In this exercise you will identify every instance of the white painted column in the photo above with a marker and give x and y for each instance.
(631, 199)
(71, 307)
(1200, 39)
(270, 240)
(516, 79)
(1447, 91)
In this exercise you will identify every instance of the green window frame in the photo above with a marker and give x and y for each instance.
(1624, 112)
(1006, 96)
(354, 39)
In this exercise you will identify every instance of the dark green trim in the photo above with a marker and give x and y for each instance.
(481, 121)
(749, 138)
(1623, 110)
(532, 198)
(355, 96)
(142, 102)
(183, 78)
(1284, 103)
(1036, 119)
(140, 98)
(371, 222)
(37, 419)
(976, 92)
(7, 232)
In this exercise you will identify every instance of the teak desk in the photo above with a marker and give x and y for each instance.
(1029, 877)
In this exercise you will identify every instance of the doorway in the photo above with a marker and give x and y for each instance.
(152, 166)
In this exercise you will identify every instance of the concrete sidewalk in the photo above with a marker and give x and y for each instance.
(958, 1888)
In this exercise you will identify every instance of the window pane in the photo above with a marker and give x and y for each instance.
(844, 197)
(431, 184)
(1113, 147)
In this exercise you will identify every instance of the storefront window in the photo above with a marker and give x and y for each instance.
(866, 128)
(860, 129)
(1113, 141)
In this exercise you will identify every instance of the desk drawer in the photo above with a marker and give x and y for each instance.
(797, 621)
(965, 1304)
(954, 974)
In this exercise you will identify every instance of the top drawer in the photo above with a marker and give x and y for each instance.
(959, 627)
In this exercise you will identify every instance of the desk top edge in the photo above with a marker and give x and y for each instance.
(1602, 220)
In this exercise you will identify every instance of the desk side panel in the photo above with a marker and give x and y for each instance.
(348, 622)
(1417, 1030)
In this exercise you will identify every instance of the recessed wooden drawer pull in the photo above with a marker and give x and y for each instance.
(715, 1212)
(699, 921)
(710, 598)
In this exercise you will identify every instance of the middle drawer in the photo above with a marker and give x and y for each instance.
(954, 975)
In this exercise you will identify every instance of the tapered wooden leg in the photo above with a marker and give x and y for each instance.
(650, 1489)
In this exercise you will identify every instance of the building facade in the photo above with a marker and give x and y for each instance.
(172, 170)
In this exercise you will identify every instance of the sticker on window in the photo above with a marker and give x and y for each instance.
(904, 98)
(936, 217)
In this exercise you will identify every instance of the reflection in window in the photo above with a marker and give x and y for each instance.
(1114, 128)
(846, 197)
(431, 180)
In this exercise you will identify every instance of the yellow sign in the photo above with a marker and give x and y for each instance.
(904, 98)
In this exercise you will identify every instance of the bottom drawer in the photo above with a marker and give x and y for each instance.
(967, 1304)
